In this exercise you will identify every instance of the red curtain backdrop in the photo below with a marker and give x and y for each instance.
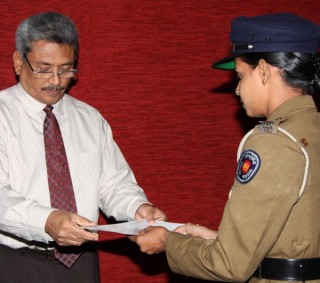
(146, 66)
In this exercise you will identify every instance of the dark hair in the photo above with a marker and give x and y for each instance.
(50, 26)
(299, 70)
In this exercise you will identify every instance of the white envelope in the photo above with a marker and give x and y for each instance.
(132, 227)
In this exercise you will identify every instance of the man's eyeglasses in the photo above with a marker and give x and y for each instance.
(64, 74)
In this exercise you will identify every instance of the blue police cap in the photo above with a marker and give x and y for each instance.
(280, 32)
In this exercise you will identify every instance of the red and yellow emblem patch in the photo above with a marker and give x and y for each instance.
(248, 166)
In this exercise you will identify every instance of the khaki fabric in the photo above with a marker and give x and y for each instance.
(264, 217)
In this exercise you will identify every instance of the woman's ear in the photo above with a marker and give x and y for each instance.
(264, 68)
(17, 62)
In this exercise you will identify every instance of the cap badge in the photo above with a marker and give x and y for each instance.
(242, 47)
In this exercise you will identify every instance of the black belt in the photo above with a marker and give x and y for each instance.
(47, 253)
(289, 269)
(48, 250)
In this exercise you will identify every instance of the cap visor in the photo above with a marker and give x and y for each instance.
(224, 65)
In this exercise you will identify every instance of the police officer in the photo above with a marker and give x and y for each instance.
(270, 228)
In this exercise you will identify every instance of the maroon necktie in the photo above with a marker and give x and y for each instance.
(59, 179)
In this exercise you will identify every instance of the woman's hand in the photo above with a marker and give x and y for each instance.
(196, 230)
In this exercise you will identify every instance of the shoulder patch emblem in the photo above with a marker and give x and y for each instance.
(248, 166)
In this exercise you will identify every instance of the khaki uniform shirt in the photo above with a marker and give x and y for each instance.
(265, 215)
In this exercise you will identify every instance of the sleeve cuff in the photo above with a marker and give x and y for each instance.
(37, 221)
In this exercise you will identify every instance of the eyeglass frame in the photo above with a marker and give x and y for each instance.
(60, 73)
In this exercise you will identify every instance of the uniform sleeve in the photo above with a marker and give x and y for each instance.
(253, 218)
(120, 194)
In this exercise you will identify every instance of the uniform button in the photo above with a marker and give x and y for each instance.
(304, 142)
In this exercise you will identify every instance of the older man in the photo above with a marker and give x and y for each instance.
(59, 164)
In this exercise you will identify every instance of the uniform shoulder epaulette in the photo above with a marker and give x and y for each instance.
(266, 127)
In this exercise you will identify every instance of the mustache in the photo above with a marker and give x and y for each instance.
(53, 88)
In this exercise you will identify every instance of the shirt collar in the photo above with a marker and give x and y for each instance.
(36, 106)
(303, 103)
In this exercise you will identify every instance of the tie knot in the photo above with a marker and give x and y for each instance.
(48, 109)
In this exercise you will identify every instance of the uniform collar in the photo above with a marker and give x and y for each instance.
(298, 104)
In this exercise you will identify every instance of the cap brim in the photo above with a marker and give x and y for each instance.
(226, 63)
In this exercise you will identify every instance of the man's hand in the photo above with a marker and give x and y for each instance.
(152, 239)
(196, 230)
(150, 213)
(64, 228)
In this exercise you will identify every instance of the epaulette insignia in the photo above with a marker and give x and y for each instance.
(248, 166)
(266, 127)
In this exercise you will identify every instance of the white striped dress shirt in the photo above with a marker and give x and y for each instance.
(100, 174)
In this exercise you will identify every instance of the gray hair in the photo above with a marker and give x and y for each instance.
(50, 26)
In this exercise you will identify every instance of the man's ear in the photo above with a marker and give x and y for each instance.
(17, 62)
(264, 68)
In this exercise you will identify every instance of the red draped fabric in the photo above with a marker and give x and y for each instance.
(146, 66)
